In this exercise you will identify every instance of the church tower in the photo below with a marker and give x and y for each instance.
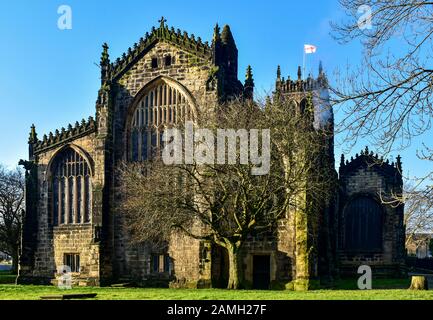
(310, 242)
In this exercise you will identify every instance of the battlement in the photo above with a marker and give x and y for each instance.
(62, 136)
(288, 85)
(368, 158)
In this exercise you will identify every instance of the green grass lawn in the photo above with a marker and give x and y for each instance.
(388, 289)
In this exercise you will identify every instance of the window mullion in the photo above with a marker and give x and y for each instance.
(67, 202)
(75, 211)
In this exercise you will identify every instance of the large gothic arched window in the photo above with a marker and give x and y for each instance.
(71, 188)
(162, 105)
(363, 225)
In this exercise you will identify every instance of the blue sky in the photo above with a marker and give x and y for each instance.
(48, 76)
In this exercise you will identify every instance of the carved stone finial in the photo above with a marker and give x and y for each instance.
(216, 34)
(398, 163)
(249, 74)
(278, 72)
(105, 64)
(249, 83)
(104, 55)
(162, 22)
(33, 136)
(299, 73)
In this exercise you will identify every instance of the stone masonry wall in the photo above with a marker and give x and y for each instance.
(192, 72)
(54, 241)
(78, 239)
(368, 180)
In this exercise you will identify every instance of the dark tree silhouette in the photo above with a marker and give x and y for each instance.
(11, 212)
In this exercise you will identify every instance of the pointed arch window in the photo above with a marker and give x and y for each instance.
(71, 188)
(163, 105)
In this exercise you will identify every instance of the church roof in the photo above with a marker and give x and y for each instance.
(367, 159)
(183, 40)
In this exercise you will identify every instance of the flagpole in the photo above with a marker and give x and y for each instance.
(303, 63)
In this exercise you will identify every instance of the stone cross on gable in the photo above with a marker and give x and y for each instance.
(162, 21)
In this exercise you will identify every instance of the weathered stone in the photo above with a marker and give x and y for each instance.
(298, 252)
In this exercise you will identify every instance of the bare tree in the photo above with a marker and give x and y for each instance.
(225, 204)
(387, 100)
(11, 210)
(418, 217)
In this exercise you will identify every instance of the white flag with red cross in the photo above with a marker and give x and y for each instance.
(309, 48)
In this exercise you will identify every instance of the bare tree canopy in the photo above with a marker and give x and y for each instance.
(11, 210)
(224, 203)
(387, 98)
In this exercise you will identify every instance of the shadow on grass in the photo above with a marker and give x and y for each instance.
(378, 284)
(6, 277)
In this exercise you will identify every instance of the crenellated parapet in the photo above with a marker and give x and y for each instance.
(183, 40)
(63, 135)
(288, 85)
(367, 158)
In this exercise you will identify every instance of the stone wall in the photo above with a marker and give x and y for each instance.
(366, 176)
(193, 73)
(107, 253)
(78, 239)
(55, 241)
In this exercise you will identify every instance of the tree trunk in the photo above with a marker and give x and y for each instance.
(14, 262)
(234, 259)
(418, 283)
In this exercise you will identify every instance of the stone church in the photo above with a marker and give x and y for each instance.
(71, 218)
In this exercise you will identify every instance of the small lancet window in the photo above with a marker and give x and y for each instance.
(154, 63)
(168, 61)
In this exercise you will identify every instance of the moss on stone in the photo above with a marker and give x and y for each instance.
(290, 286)
(305, 284)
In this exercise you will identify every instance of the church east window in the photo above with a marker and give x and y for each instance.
(161, 107)
(71, 188)
(363, 225)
